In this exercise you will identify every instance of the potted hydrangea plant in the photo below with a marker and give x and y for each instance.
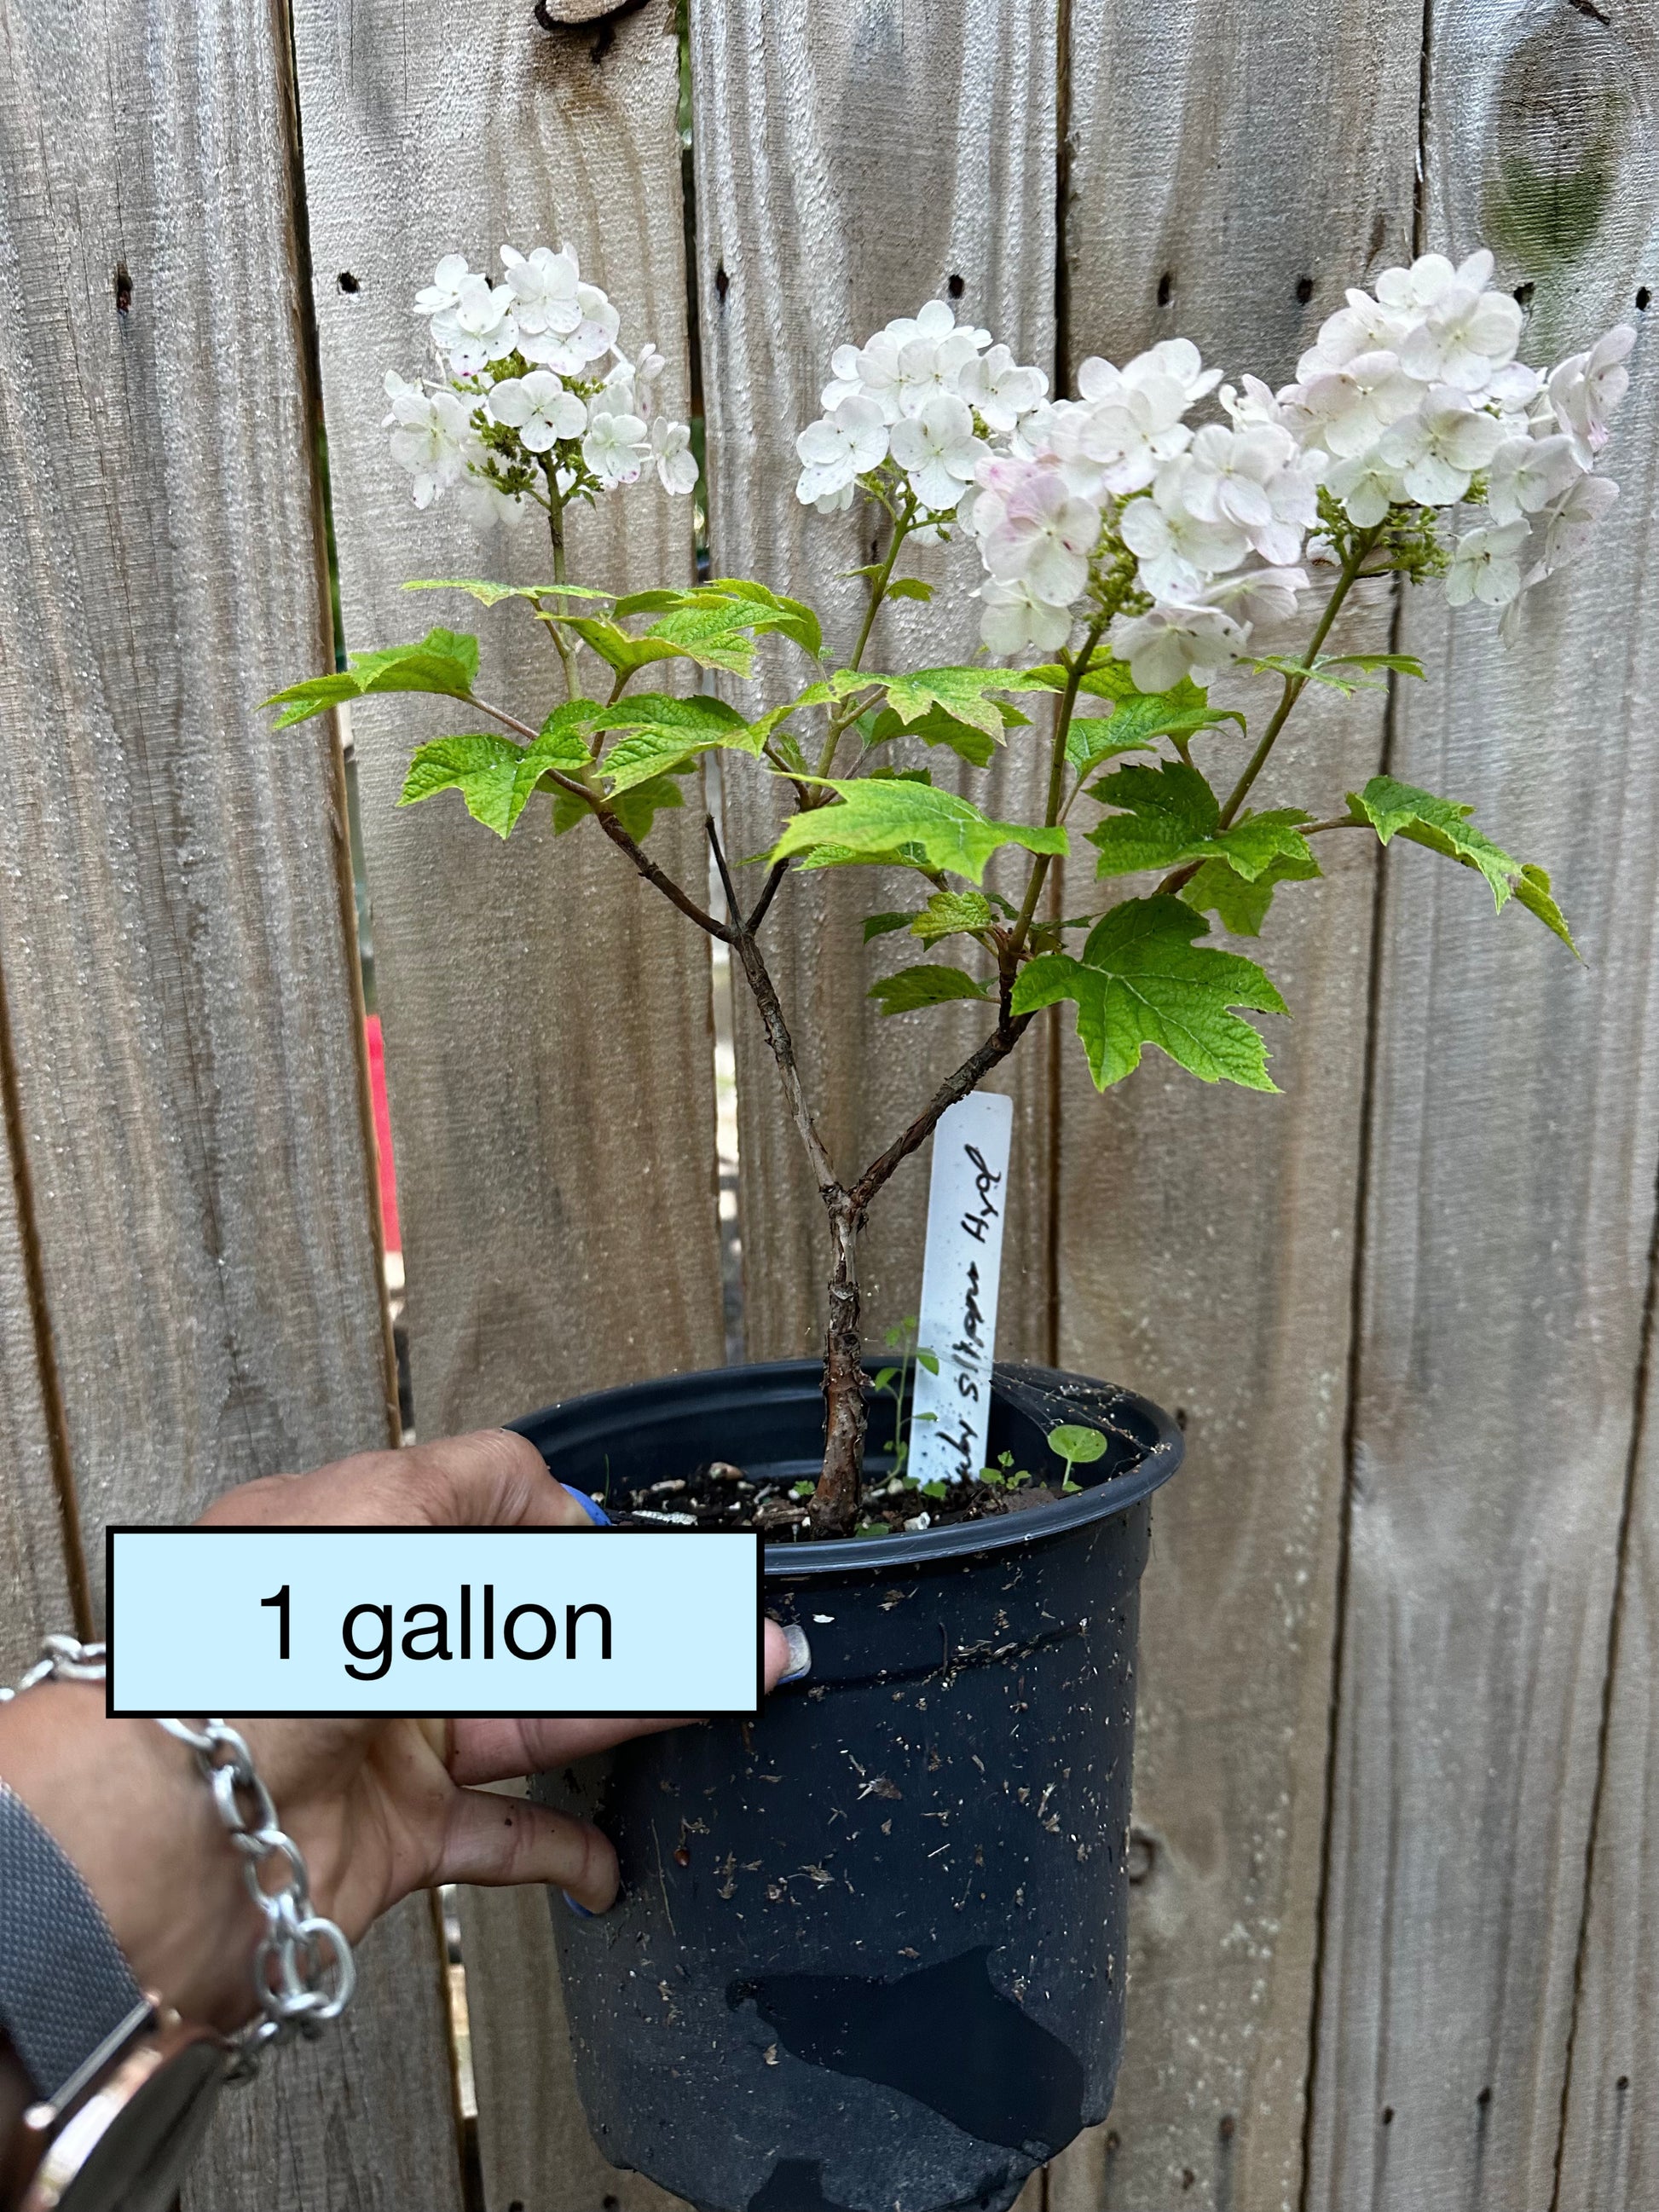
(870, 1950)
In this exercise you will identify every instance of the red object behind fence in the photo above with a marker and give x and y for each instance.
(383, 1133)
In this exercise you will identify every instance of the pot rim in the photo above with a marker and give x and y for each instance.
(839, 1556)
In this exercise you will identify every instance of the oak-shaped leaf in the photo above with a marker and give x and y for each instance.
(658, 731)
(881, 818)
(1241, 907)
(1141, 979)
(444, 661)
(963, 694)
(925, 986)
(489, 594)
(494, 774)
(952, 913)
(1400, 810)
(1168, 815)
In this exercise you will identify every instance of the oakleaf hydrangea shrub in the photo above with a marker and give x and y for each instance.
(1133, 540)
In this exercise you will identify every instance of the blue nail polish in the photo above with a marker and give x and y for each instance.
(800, 1657)
(596, 1513)
(581, 1911)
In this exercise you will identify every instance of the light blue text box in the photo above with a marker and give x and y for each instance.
(188, 1633)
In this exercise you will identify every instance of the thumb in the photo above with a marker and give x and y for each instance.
(496, 1841)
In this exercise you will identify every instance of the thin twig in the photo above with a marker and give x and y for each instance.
(738, 934)
(758, 911)
(971, 1073)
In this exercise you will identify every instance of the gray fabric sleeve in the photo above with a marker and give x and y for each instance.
(65, 1986)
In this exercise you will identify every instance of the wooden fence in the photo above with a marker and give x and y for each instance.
(1398, 1779)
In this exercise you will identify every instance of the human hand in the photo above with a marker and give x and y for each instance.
(378, 1808)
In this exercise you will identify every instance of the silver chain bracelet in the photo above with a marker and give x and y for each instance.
(303, 1971)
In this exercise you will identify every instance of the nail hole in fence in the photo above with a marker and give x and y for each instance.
(722, 283)
(1388, 2116)
(123, 289)
(1642, 298)
(1622, 2082)
(1304, 289)
(347, 281)
(1165, 286)
(1483, 2099)
(1523, 293)
(955, 286)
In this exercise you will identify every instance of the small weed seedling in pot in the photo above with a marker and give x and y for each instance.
(1136, 541)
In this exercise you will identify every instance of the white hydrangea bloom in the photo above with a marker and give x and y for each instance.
(841, 447)
(445, 289)
(616, 448)
(538, 407)
(427, 433)
(1485, 565)
(476, 327)
(671, 449)
(1439, 446)
(544, 287)
(937, 449)
(1527, 473)
(942, 402)
(1014, 620)
(1173, 641)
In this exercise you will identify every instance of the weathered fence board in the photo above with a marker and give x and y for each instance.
(1515, 1127)
(35, 1592)
(174, 885)
(1223, 188)
(809, 118)
(546, 1016)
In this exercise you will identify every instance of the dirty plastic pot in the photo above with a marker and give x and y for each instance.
(869, 1951)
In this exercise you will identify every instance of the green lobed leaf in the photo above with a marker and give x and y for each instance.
(878, 819)
(1169, 815)
(935, 727)
(619, 648)
(925, 986)
(444, 661)
(1241, 907)
(660, 730)
(1400, 810)
(962, 692)
(489, 593)
(1141, 980)
(1403, 664)
(884, 925)
(952, 913)
(909, 588)
(787, 618)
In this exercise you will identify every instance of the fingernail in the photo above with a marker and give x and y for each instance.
(596, 1513)
(800, 1657)
(581, 1911)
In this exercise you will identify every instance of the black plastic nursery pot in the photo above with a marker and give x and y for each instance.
(869, 1951)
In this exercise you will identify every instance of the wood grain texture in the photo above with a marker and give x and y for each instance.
(1230, 172)
(547, 1025)
(1515, 1130)
(36, 1596)
(854, 158)
(174, 896)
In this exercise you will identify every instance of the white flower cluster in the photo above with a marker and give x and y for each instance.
(1414, 393)
(1213, 519)
(526, 407)
(927, 400)
(1186, 535)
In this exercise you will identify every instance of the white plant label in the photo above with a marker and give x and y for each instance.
(967, 1204)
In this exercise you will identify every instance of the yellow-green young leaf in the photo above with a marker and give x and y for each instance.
(937, 727)
(1170, 816)
(1142, 980)
(961, 692)
(444, 661)
(791, 619)
(880, 819)
(924, 986)
(491, 594)
(638, 809)
(486, 770)
(1532, 892)
(1241, 907)
(909, 588)
(1076, 1445)
(1400, 810)
(952, 913)
(614, 645)
(661, 730)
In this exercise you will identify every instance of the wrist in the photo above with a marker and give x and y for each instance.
(127, 1805)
